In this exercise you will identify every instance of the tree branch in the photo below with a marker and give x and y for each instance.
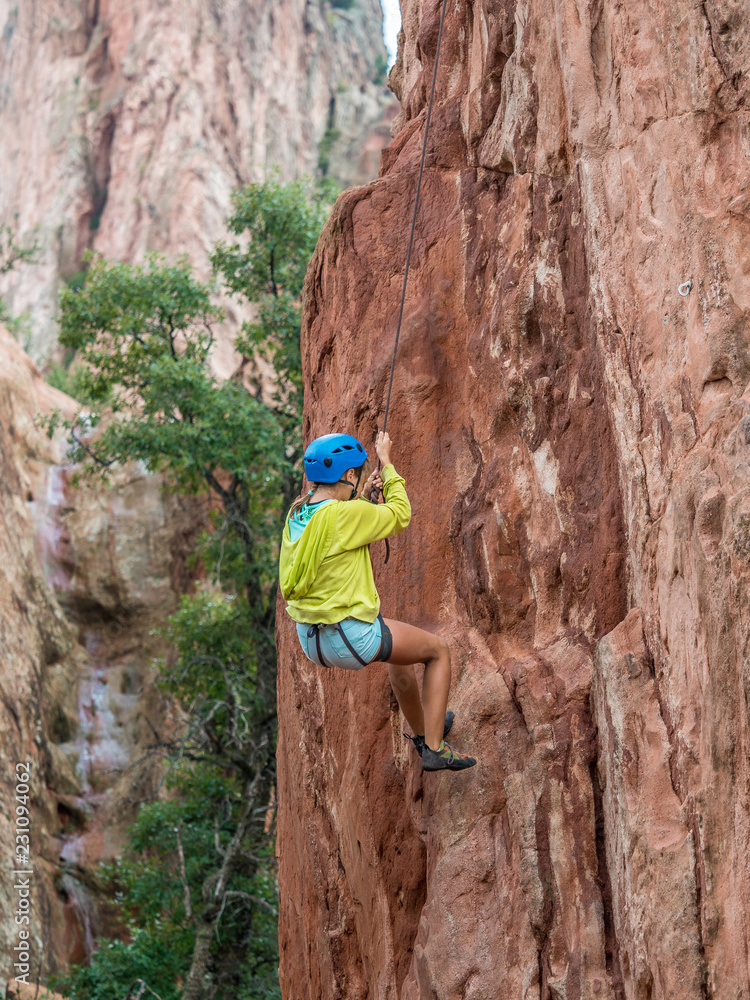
(89, 451)
(143, 988)
(255, 900)
(170, 334)
(219, 849)
(183, 875)
(273, 276)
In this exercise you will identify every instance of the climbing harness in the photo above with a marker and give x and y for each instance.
(382, 656)
(374, 494)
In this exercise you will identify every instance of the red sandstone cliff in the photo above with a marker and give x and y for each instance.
(125, 126)
(575, 436)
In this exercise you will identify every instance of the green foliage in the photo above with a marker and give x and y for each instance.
(19, 327)
(157, 959)
(148, 887)
(69, 378)
(280, 225)
(60, 377)
(127, 315)
(76, 281)
(215, 669)
(326, 144)
(12, 253)
(188, 423)
(343, 4)
(274, 335)
(142, 337)
(381, 69)
(205, 627)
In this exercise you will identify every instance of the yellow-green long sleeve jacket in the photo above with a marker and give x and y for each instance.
(326, 575)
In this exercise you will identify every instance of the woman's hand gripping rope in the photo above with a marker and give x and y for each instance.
(374, 485)
(383, 448)
(374, 482)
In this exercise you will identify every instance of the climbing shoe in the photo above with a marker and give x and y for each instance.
(445, 758)
(418, 741)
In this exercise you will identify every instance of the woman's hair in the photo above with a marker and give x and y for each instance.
(304, 498)
(301, 500)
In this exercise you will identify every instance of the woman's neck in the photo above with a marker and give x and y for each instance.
(335, 492)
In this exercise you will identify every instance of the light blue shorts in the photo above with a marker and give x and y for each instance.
(327, 642)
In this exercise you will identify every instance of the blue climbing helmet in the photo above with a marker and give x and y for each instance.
(327, 458)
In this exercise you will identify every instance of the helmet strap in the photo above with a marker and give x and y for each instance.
(346, 482)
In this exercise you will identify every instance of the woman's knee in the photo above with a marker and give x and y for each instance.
(441, 648)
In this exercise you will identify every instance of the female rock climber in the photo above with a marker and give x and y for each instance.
(326, 578)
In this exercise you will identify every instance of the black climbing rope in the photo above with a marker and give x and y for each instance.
(414, 213)
(374, 495)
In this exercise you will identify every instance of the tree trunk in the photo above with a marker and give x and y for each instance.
(257, 788)
(197, 987)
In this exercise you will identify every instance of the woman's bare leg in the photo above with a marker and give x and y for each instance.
(414, 645)
(405, 687)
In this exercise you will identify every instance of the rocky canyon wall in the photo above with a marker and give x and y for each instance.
(86, 575)
(571, 413)
(125, 126)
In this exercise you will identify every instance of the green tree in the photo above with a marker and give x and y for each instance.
(11, 251)
(11, 254)
(173, 847)
(143, 337)
(279, 225)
